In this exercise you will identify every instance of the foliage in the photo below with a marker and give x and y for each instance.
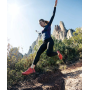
(71, 49)
(74, 46)
(16, 67)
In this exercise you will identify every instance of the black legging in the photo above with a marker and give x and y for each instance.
(47, 44)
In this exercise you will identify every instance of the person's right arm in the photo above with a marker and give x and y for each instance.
(38, 32)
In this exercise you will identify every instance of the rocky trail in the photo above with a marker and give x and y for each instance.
(68, 79)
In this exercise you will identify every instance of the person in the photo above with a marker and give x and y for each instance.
(47, 42)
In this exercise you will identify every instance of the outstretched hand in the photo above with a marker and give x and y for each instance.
(56, 3)
(36, 30)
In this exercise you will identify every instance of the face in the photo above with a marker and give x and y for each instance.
(42, 23)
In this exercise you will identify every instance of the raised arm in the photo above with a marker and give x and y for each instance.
(50, 22)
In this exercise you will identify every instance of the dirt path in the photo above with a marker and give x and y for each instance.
(73, 79)
(69, 79)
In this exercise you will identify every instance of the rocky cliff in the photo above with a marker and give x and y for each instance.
(31, 49)
(60, 33)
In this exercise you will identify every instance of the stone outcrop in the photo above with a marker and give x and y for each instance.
(60, 32)
(70, 33)
(31, 49)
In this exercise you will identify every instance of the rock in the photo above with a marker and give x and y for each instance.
(60, 32)
(70, 33)
(31, 49)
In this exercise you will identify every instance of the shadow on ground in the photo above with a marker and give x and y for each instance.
(73, 74)
(53, 79)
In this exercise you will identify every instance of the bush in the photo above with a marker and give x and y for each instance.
(71, 49)
(16, 67)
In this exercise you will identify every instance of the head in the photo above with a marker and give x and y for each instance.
(43, 22)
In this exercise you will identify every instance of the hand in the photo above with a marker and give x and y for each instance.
(36, 30)
(56, 3)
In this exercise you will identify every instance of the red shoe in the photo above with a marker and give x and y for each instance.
(60, 56)
(29, 71)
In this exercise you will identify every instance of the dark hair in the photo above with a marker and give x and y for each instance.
(44, 21)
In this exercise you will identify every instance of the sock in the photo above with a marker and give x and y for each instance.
(32, 66)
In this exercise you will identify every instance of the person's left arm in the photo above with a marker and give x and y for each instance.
(50, 22)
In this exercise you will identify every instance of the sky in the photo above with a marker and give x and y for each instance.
(23, 17)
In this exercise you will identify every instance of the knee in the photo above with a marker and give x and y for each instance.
(48, 54)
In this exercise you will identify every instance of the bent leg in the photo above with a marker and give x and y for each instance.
(50, 52)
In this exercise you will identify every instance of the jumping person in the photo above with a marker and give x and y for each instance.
(47, 42)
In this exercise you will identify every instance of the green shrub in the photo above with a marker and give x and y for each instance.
(71, 50)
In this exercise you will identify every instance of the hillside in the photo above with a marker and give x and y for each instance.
(67, 79)
(51, 73)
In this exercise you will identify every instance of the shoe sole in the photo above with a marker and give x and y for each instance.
(28, 74)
